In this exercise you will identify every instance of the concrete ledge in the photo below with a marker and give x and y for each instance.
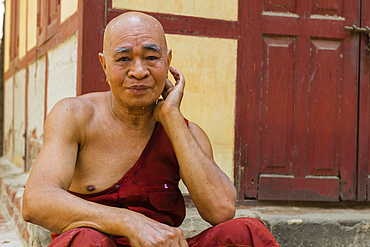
(320, 230)
(301, 226)
(311, 226)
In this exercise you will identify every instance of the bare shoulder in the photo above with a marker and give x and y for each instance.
(71, 115)
(63, 136)
(202, 139)
(72, 108)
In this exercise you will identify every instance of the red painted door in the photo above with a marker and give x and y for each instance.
(297, 110)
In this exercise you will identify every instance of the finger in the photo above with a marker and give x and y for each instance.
(184, 243)
(175, 73)
(168, 86)
(165, 94)
(181, 239)
(179, 77)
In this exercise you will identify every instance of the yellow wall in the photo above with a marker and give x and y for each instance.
(209, 67)
(7, 34)
(27, 28)
(214, 9)
(22, 28)
(31, 24)
(67, 8)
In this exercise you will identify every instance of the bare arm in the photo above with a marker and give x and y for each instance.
(47, 203)
(213, 193)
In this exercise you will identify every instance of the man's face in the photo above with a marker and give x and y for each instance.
(136, 63)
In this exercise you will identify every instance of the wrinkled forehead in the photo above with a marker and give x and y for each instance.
(134, 25)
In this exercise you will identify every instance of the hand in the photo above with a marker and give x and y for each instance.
(153, 233)
(172, 96)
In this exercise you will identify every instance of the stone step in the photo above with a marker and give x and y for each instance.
(301, 226)
(8, 237)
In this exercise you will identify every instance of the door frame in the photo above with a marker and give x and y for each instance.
(363, 171)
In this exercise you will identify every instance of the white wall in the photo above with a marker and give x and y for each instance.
(8, 118)
(62, 71)
(19, 116)
(35, 107)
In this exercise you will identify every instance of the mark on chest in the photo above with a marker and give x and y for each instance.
(90, 188)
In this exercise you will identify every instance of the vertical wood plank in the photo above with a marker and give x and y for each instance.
(364, 111)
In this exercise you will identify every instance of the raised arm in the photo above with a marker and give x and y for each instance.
(212, 191)
(47, 203)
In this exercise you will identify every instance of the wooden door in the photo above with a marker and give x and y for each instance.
(297, 108)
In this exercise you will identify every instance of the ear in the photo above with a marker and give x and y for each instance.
(103, 63)
(169, 58)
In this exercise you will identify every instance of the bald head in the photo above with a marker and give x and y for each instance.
(128, 23)
(135, 48)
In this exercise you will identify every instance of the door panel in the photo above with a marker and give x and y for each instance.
(280, 6)
(277, 99)
(309, 188)
(300, 105)
(324, 96)
(327, 7)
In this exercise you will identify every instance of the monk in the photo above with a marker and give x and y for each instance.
(109, 169)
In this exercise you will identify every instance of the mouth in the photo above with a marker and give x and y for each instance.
(138, 89)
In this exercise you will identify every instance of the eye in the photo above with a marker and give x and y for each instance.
(152, 58)
(123, 59)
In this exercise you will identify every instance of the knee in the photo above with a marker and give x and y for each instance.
(234, 227)
(246, 231)
(236, 232)
(245, 224)
(83, 237)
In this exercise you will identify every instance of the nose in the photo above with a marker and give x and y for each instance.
(138, 70)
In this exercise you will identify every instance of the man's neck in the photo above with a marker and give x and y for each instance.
(135, 118)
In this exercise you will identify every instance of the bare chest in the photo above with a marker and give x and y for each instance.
(105, 159)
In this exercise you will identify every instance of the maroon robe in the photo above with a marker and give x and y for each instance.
(150, 187)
